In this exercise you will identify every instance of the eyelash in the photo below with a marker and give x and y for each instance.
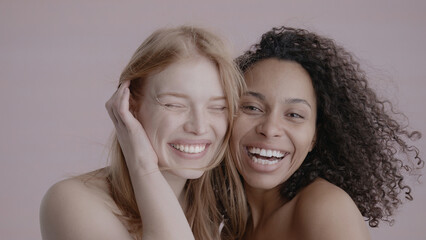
(171, 105)
(179, 106)
(295, 115)
(218, 108)
(251, 108)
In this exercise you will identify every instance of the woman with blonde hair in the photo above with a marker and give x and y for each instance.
(173, 114)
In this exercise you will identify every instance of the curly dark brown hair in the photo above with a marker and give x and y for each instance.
(360, 147)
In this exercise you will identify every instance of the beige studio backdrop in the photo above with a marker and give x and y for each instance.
(60, 61)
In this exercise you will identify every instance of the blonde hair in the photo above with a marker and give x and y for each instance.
(218, 194)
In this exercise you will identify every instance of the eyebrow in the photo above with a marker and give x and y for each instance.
(287, 100)
(180, 95)
(297, 100)
(256, 95)
(173, 94)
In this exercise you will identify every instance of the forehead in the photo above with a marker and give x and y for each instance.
(281, 78)
(195, 75)
(193, 69)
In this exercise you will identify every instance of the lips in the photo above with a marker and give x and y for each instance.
(265, 156)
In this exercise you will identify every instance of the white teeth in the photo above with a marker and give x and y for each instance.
(263, 162)
(189, 148)
(266, 152)
(278, 154)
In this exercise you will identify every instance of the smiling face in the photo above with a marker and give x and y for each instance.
(275, 127)
(183, 111)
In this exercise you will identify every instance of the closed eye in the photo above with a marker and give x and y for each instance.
(218, 108)
(173, 105)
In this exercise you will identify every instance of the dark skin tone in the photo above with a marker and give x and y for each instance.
(278, 114)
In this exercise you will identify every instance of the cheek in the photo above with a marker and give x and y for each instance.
(157, 124)
(240, 130)
(218, 123)
(242, 126)
(236, 133)
(304, 141)
(221, 126)
(146, 115)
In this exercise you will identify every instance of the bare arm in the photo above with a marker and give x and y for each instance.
(72, 210)
(324, 211)
(161, 213)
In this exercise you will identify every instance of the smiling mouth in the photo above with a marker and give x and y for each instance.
(265, 156)
(189, 148)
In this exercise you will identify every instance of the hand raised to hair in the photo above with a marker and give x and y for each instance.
(161, 213)
(136, 147)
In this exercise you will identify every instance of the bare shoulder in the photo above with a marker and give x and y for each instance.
(80, 208)
(324, 211)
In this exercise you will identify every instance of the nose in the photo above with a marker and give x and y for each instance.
(196, 122)
(271, 126)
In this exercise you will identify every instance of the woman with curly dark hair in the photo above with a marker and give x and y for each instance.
(319, 152)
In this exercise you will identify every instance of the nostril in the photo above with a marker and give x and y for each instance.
(196, 126)
(270, 129)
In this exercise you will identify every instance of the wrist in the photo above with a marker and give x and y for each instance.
(141, 165)
(143, 171)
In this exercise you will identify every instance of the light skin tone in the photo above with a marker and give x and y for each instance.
(273, 132)
(184, 114)
(179, 124)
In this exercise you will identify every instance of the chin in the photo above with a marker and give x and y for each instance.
(188, 173)
(262, 182)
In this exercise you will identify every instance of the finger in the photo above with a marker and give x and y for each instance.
(126, 84)
(108, 106)
(121, 104)
(120, 123)
(115, 107)
(123, 85)
(113, 118)
(127, 116)
(111, 104)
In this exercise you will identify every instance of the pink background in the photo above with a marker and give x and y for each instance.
(60, 61)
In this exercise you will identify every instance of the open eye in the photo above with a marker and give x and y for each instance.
(295, 115)
(250, 109)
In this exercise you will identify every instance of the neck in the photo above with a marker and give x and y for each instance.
(263, 204)
(177, 184)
